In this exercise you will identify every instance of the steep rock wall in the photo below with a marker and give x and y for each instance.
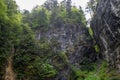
(106, 27)
(72, 39)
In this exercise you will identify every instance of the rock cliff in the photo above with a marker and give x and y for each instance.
(75, 43)
(106, 28)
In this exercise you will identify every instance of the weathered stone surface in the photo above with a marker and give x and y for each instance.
(74, 40)
(106, 27)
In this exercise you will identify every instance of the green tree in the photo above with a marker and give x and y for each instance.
(68, 7)
(91, 7)
(10, 20)
(31, 60)
(39, 17)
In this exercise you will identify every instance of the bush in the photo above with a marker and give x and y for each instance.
(100, 72)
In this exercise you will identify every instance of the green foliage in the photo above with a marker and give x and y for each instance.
(33, 67)
(90, 31)
(2, 64)
(77, 16)
(42, 71)
(97, 49)
(100, 72)
(3, 9)
(87, 65)
(36, 70)
(64, 57)
(31, 61)
(10, 29)
(91, 6)
(77, 74)
(39, 17)
(14, 34)
(53, 13)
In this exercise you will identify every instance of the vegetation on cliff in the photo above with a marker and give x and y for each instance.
(22, 57)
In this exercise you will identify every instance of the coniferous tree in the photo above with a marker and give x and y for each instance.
(68, 7)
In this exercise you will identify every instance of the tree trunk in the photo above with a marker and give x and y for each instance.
(9, 74)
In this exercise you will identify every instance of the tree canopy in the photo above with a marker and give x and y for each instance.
(52, 12)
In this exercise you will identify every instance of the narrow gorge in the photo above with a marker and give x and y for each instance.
(54, 41)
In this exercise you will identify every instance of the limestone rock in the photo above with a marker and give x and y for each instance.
(106, 27)
(74, 40)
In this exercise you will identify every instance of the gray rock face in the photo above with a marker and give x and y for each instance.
(106, 27)
(74, 40)
(67, 35)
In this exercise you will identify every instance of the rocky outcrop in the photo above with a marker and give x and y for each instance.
(71, 38)
(106, 27)
(75, 43)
